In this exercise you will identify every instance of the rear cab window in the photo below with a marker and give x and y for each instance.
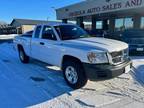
(37, 31)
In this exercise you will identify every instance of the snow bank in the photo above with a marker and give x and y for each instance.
(10, 36)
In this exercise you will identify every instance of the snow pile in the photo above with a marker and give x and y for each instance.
(10, 36)
(138, 63)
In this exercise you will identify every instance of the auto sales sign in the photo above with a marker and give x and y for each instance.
(106, 6)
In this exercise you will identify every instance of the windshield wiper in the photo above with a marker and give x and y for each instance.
(85, 36)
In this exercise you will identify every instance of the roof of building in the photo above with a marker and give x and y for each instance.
(31, 22)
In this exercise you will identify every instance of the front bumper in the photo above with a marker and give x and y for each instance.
(105, 71)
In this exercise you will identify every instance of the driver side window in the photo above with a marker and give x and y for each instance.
(48, 33)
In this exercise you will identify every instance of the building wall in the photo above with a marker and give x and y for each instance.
(26, 28)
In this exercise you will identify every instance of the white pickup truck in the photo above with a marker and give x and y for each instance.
(80, 56)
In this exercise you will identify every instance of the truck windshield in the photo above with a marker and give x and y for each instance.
(67, 32)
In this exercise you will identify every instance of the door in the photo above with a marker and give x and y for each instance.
(49, 49)
(35, 44)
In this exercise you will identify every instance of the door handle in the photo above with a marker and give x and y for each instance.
(42, 43)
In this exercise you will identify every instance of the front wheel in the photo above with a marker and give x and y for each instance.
(74, 74)
(23, 57)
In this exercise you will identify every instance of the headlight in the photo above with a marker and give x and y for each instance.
(97, 57)
(126, 52)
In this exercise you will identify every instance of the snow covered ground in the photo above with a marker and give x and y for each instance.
(38, 85)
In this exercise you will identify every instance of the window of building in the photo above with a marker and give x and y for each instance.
(87, 25)
(99, 25)
(128, 23)
(118, 24)
(142, 23)
(123, 24)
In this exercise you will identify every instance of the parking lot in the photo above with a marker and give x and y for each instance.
(40, 85)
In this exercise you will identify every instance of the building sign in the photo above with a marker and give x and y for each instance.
(108, 7)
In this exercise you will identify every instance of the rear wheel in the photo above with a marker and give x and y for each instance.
(23, 57)
(74, 74)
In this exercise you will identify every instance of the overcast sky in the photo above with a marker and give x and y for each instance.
(31, 9)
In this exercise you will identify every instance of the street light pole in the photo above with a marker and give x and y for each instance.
(47, 18)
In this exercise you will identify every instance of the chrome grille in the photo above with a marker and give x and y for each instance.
(119, 56)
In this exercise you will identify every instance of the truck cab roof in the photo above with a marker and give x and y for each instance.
(56, 24)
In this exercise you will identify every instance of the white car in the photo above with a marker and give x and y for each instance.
(80, 56)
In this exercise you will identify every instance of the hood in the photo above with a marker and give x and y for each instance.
(101, 44)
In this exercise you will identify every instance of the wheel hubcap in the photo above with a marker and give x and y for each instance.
(71, 75)
(21, 55)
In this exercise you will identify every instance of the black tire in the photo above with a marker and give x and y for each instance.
(82, 79)
(22, 55)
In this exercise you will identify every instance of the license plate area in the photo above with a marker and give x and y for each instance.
(140, 49)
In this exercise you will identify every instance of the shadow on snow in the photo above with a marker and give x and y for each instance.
(24, 85)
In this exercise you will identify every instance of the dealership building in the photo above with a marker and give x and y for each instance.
(112, 15)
